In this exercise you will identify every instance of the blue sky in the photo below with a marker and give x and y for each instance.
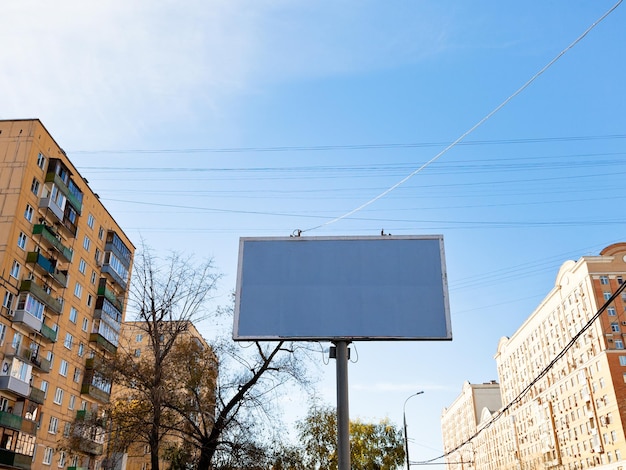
(198, 122)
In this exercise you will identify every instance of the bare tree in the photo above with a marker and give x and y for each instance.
(249, 381)
(208, 396)
(166, 296)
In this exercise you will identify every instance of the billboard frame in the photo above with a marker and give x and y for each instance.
(444, 325)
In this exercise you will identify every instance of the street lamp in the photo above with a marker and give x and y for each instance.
(406, 438)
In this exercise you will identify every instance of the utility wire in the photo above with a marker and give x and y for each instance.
(541, 374)
(320, 148)
(470, 130)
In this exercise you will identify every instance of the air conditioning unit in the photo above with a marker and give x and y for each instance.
(10, 312)
(624, 323)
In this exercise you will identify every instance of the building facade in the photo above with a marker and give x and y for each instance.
(460, 421)
(135, 341)
(562, 376)
(65, 265)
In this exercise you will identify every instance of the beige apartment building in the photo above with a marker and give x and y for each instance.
(460, 421)
(135, 341)
(65, 265)
(562, 377)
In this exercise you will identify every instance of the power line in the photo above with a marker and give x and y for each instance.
(541, 374)
(324, 148)
(473, 128)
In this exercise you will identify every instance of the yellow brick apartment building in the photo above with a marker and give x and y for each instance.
(562, 380)
(65, 266)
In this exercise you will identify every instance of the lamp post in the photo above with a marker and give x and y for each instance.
(406, 438)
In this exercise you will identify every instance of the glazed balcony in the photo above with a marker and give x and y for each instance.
(95, 393)
(102, 342)
(52, 241)
(15, 460)
(104, 291)
(27, 320)
(9, 420)
(115, 277)
(48, 203)
(47, 266)
(53, 304)
(10, 384)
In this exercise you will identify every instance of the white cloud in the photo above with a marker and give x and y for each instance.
(123, 68)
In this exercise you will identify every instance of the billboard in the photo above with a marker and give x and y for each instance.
(342, 288)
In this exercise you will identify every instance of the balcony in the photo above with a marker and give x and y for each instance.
(40, 363)
(108, 269)
(95, 393)
(29, 356)
(109, 295)
(10, 384)
(47, 266)
(13, 459)
(48, 333)
(48, 203)
(9, 420)
(89, 447)
(30, 286)
(103, 342)
(52, 241)
(37, 395)
(27, 320)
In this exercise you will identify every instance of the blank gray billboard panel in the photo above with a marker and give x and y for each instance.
(342, 288)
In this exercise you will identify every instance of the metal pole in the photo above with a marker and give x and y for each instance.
(343, 409)
(406, 436)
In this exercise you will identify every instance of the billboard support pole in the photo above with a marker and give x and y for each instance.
(343, 409)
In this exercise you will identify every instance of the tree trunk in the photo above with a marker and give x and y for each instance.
(207, 451)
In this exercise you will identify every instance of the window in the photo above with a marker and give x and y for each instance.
(21, 240)
(607, 295)
(62, 459)
(67, 428)
(44, 388)
(34, 187)
(50, 357)
(47, 454)
(58, 396)
(90, 220)
(139, 338)
(98, 257)
(604, 279)
(618, 455)
(100, 233)
(81, 349)
(78, 290)
(41, 161)
(89, 300)
(137, 352)
(85, 324)
(73, 314)
(611, 311)
(53, 427)
(69, 341)
(71, 402)
(82, 266)
(619, 344)
(86, 243)
(28, 213)
(8, 300)
(77, 375)
(93, 277)
(615, 327)
(3, 332)
(63, 368)
(622, 360)
(15, 269)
